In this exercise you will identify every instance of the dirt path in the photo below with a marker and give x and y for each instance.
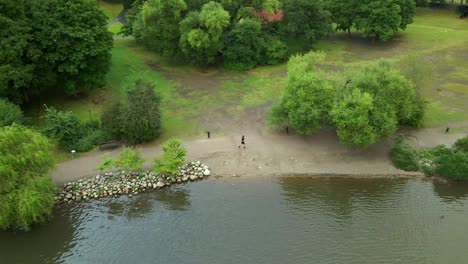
(272, 153)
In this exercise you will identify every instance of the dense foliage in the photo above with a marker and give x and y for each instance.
(454, 165)
(461, 144)
(65, 127)
(10, 113)
(308, 98)
(129, 159)
(238, 33)
(71, 133)
(377, 19)
(367, 109)
(26, 191)
(404, 156)
(173, 156)
(52, 45)
(137, 119)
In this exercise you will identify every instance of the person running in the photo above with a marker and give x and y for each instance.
(242, 142)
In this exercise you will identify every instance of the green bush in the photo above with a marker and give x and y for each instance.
(65, 127)
(129, 159)
(274, 50)
(10, 113)
(138, 118)
(404, 157)
(26, 191)
(453, 165)
(173, 157)
(461, 144)
(428, 170)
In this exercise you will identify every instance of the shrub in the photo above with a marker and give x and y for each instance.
(461, 144)
(138, 118)
(129, 159)
(111, 119)
(428, 170)
(173, 157)
(107, 163)
(274, 50)
(453, 165)
(26, 192)
(10, 113)
(404, 157)
(65, 127)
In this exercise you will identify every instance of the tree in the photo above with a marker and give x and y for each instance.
(201, 33)
(26, 192)
(15, 71)
(343, 13)
(390, 90)
(161, 20)
(308, 98)
(138, 118)
(359, 122)
(10, 113)
(173, 157)
(306, 20)
(379, 20)
(274, 50)
(243, 45)
(52, 45)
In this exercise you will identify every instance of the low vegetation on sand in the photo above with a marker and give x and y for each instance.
(441, 160)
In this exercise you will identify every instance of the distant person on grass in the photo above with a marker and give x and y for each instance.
(242, 142)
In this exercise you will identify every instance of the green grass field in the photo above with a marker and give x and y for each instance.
(111, 8)
(436, 43)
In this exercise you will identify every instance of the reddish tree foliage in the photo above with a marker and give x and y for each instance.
(267, 17)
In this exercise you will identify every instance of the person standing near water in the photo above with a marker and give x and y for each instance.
(242, 142)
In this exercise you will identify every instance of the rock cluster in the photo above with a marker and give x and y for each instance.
(127, 183)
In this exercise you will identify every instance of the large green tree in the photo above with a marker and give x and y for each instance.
(377, 19)
(243, 45)
(52, 45)
(306, 20)
(160, 30)
(26, 191)
(201, 33)
(359, 122)
(308, 98)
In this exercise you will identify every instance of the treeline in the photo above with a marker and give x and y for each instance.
(244, 33)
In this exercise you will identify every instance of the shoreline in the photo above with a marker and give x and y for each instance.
(269, 154)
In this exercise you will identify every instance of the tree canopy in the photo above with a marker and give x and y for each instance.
(364, 110)
(377, 19)
(52, 45)
(26, 191)
(136, 119)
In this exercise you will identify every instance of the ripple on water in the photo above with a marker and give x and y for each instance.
(261, 220)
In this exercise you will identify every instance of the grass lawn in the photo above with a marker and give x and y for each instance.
(196, 100)
(115, 28)
(111, 8)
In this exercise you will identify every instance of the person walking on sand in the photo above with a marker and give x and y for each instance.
(242, 142)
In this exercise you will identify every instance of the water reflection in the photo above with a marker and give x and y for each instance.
(338, 196)
(450, 191)
(142, 205)
(29, 247)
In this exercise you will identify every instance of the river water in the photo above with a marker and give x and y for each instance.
(260, 220)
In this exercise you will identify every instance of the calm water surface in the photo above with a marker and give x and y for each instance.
(261, 220)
